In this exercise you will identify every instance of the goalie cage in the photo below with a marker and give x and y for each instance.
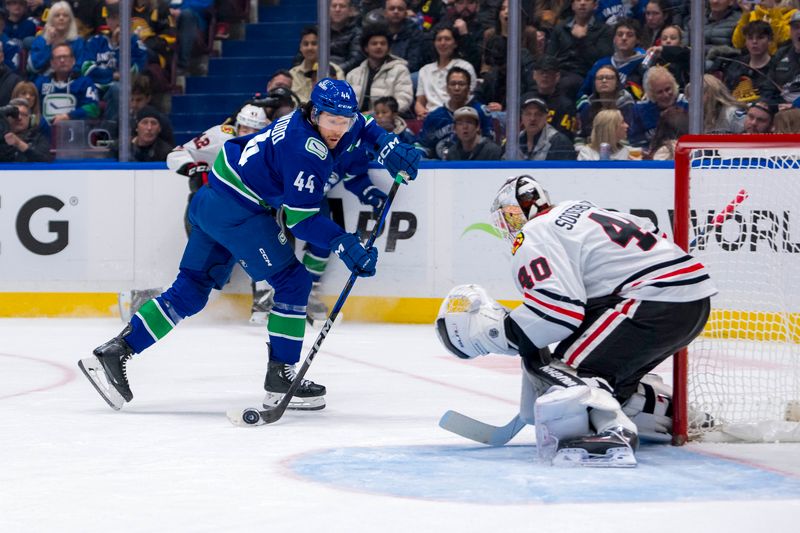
(737, 208)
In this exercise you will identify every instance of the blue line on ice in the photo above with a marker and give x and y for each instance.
(511, 475)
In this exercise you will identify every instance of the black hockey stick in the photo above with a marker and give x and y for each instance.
(257, 417)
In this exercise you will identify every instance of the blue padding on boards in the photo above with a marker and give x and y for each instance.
(511, 475)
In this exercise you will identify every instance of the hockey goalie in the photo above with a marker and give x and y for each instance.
(612, 295)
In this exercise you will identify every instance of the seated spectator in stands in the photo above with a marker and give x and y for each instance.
(437, 129)
(60, 28)
(387, 116)
(432, 80)
(11, 48)
(468, 144)
(496, 37)
(578, 43)
(20, 140)
(627, 59)
(608, 94)
(146, 145)
(747, 75)
(784, 68)
(759, 118)
(65, 95)
(191, 18)
(19, 26)
(787, 121)
(28, 91)
(661, 93)
(721, 19)
(609, 128)
(381, 74)
(8, 80)
(345, 36)
(545, 85)
(37, 10)
(280, 78)
(152, 22)
(429, 12)
(612, 11)
(101, 60)
(776, 16)
(405, 36)
(673, 123)
(309, 48)
(141, 97)
(464, 18)
(88, 15)
(538, 140)
(670, 53)
(721, 112)
(657, 16)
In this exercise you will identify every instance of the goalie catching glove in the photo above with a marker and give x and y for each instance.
(470, 323)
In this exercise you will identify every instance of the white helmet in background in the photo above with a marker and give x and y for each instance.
(252, 116)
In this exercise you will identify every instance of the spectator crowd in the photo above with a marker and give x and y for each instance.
(600, 79)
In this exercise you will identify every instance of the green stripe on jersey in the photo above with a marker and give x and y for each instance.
(297, 215)
(286, 326)
(154, 319)
(314, 264)
(224, 171)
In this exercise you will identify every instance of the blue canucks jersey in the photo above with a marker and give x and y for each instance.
(286, 166)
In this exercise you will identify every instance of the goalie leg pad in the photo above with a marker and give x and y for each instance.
(560, 414)
(470, 323)
(650, 408)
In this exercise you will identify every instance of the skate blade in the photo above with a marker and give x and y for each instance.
(298, 404)
(93, 370)
(622, 457)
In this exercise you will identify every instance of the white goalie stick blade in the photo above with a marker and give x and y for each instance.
(93, 370)
(622, 457)
(472, 429)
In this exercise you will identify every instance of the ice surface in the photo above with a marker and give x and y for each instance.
(373, 460)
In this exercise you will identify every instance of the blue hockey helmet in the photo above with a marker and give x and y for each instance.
(334, 96)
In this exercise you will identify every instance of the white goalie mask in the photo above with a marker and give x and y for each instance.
(252, 116)
(519, 200)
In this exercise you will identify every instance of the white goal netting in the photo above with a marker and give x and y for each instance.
(745, 226)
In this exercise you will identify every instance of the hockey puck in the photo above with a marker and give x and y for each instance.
(251, 416)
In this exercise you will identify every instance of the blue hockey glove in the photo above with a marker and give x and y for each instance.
(373, 196)
(360, 261)
(397, 156)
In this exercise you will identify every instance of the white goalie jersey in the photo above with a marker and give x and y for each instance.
(202, 149)
(577, 251)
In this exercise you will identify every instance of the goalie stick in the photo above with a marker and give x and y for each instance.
(720, 218)
(478, 431)
(257, 417)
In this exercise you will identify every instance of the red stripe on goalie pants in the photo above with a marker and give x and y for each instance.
(592, 336)
(565, 312)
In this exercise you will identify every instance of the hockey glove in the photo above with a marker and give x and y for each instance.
(196, 172)
(373, 196)
(397, 156)
(359, 260)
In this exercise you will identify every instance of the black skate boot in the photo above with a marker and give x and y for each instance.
(308, 397)
(106, 370)
(613, 447)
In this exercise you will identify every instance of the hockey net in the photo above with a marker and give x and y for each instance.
(737, 208)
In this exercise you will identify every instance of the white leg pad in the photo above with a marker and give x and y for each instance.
(560, 414)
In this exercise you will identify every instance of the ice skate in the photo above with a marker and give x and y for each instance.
(613, 448)
(263, 300)
(105, 369)
(309, 396)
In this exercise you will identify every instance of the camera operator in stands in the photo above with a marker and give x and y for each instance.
(19, 141)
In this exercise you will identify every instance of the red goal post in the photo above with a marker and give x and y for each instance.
(717, 179)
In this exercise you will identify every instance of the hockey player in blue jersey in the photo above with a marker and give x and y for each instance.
(259, 185)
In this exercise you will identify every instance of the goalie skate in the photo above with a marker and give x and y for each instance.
(610, 449)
